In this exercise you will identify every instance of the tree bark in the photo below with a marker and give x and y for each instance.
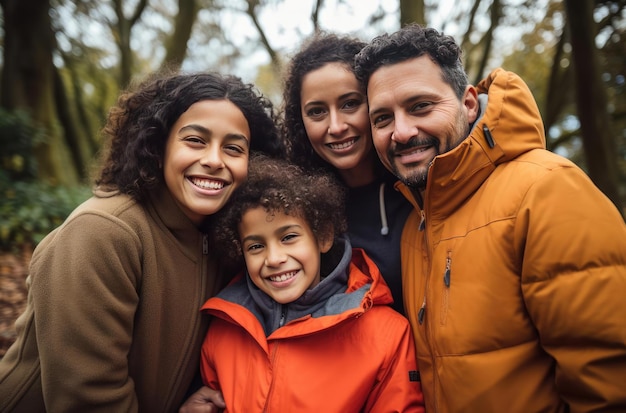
(176, 49)
(591, 100)
(122, 33)
(412, 11)
(27, 82)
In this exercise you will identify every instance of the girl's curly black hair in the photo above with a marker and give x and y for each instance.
(280, 186)
(138, 127)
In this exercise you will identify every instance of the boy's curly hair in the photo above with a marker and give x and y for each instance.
(280, 186)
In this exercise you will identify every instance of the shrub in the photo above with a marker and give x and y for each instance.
(29, 209)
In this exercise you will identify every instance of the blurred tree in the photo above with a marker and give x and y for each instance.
(545, 59)
(591, 99)
(122, 27)
(412, 11)
(28, 82)
(176, 46)
(99, 46)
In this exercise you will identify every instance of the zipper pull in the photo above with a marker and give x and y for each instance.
(205, 244)
(282, 317)
(422, 221)
(420, 313)
(446, 274)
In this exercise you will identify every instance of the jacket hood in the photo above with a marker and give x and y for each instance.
(509, 124)
(353, 287)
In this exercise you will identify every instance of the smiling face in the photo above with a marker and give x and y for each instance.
(416, 116)
(334, 113)
(206, 157)
(281, 252)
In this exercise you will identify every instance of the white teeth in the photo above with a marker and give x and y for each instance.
(283, 277)
(342, 145)
(207, 184)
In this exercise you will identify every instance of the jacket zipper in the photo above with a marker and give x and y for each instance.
(446, 291)
(422, 310)
(422, 226)
(446, 274)
(283, 316)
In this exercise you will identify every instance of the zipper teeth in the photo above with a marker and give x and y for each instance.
(428, 333)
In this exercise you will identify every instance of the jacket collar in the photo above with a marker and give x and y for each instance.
(510, 125)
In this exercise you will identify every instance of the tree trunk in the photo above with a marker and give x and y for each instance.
(183, 24)
(591, 100)
(122, 33)
(27, 82)
(412, 11)
(252, 13)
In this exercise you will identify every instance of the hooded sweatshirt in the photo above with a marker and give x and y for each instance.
(112, 321)
(338, 348)
(514, 272)
(376, 215)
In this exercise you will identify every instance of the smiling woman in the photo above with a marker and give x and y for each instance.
(117, 287)
(206, 157)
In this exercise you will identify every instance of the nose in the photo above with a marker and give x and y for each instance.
(212, 157)
(274, 256)
(337, 124)
(404, 129)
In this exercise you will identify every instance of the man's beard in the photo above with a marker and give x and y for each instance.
(415, 180)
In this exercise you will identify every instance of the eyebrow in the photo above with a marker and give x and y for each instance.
(284, 228)
(205, 131)
(344, 96)
(412, 98)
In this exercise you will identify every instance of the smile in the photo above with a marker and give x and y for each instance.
(413, 151)
(207, 183)
(342, 145)
(283, 277)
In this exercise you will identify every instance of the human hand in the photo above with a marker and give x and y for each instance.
(204, 400)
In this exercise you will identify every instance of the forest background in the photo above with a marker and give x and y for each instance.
(64, 62)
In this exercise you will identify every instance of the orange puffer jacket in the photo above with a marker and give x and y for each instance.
(359, 360)
(514, 273)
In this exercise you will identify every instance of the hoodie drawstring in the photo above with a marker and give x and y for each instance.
(384, 230)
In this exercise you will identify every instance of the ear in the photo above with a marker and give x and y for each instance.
(326, 241)
(470, 103)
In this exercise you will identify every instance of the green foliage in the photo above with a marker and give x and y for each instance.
(29, 209)
(18, 138)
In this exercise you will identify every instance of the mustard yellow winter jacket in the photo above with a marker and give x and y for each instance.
(514, 272)
(112, 322)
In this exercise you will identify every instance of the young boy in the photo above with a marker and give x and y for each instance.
(308, 328)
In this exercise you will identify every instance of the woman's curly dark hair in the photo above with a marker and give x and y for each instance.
(138, 127)
(318, 50)
(280, 186)
(410, 42)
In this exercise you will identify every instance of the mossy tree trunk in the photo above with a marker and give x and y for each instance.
(27, 82)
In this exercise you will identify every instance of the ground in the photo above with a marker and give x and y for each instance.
(13, 271)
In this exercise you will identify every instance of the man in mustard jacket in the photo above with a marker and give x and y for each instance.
(514, 263)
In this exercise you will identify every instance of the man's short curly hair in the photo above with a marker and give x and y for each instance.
(138, 127)
(410, 42)
(280, 186)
